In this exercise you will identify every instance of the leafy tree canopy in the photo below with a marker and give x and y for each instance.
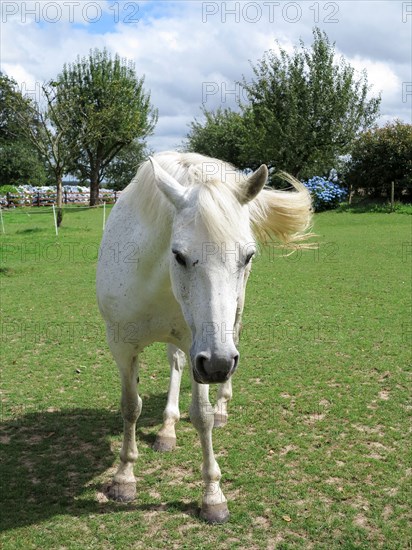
(106, 108)
(381, 156)
(19, 161)
(123, 167)
(303, 110)
(221, 136)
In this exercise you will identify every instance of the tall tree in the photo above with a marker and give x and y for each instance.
(107, 107)
(49, 136)
(302, 110)
(19, 161)
(307, 108)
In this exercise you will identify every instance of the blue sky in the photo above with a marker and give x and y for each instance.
(193, 53)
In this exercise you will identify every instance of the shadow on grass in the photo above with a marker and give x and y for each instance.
(29, 230)
(49, 461)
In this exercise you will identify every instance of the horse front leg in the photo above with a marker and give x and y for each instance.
(166, 437)
(214, 505)
(123, 487)
(224, 395)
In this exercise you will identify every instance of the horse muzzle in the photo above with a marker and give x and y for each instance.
(214, 369)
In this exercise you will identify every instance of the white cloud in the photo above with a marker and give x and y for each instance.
(380, 75)
(181, 51)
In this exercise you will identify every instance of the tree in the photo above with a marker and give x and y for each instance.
(306, 108)
(107, 108)
(48, 136)
(123, 167)
(19, 161)
(302, 111)
(381, 156)
(220, 136)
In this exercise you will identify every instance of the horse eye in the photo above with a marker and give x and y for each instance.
(179, 258)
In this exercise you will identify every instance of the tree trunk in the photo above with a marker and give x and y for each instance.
(94, 188)
(59, 199)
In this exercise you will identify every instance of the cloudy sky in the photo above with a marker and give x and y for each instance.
(195, 52)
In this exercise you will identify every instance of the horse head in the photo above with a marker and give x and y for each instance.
(211, 249)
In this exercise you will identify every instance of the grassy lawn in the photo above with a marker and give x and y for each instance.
(315, 454)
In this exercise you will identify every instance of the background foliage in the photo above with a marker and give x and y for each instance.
(303, 110)
(122, 169)
(381, 156)
(106, 108)
(19, 161)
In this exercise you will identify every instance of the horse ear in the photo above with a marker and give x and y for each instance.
(254, 184)
(170, 187)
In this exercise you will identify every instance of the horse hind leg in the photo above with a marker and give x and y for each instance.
(166, 438)
(123, 486)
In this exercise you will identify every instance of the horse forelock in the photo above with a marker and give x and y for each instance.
(215, 187)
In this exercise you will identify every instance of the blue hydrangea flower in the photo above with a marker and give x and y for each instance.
(325, 193)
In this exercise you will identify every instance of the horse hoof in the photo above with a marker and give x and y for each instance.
(220, 420)
(122, 492)
(214, 513)
(164, 444)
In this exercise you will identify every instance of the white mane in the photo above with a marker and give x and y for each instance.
(283, 214)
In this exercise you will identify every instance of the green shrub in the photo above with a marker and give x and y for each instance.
(4, 189)
(382, 156)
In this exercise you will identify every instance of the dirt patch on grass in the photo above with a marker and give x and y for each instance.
(262, 521)
(273, 543)
(178, 472)
(311, 419)
(373, 533)
(359, 503)
(360, 521)
(384, 395)
(287, 449)
(378, 429)
(183, 529)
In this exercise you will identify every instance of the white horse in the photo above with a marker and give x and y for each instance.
(173, 266)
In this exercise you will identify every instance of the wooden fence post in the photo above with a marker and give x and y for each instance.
(350, 194)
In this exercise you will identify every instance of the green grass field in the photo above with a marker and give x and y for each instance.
(315, 454)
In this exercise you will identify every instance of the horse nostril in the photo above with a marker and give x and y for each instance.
(212, 369)
(201, 360)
